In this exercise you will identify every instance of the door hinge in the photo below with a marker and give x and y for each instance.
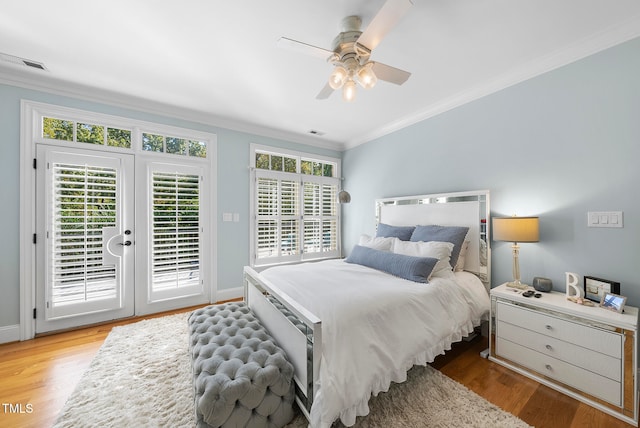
(34, 238)
(34, 313)
(35, 162)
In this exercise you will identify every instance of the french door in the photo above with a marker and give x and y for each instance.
(117, 235)
(85, 239)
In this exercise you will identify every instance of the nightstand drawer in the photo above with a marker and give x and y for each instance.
(576, 377)
(609, 343)
(588, 359)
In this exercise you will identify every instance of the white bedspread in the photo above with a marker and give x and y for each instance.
(375, 327)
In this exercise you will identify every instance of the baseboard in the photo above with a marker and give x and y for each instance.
(229, 294)
(10, 333)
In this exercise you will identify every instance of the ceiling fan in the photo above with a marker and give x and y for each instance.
(352, 50)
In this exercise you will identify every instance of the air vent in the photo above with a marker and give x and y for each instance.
(34, 64)
(314, 132)
(22, 61)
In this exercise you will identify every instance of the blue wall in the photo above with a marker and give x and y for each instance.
(556, 146)
(232, 251)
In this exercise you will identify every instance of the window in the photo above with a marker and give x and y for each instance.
(102, 134)
(173, 145)
(294, 199)
(63, 130)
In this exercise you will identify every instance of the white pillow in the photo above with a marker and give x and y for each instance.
(462, 257)
(379, 243)
(436, 249)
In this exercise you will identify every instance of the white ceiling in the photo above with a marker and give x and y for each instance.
(217, 62)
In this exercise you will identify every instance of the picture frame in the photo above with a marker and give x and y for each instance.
(613, 302)
(594, 288)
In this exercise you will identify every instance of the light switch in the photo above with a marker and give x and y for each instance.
(236, 217)
(227, 217)
(605, 219)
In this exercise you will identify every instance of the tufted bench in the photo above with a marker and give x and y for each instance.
(241, 378)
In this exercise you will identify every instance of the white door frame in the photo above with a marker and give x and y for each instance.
(31, 113)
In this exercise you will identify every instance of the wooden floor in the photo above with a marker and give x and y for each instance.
(37, 376)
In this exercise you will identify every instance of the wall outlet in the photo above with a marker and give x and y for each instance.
(605, 219)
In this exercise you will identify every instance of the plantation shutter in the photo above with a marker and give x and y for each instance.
(329, 217)
(83, 201)
(289, 217)
(267, 194)
(277, 217)
(320, 217)
(175, 257)
(296, 218)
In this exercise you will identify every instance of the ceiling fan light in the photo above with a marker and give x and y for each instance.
(349, 90)
(338, 77)
(367, 77)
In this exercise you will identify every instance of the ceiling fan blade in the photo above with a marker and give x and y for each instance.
(387, 17)
(307, 49)
(325, 92)
(390, 74)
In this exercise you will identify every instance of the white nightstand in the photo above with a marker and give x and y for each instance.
(588, 353)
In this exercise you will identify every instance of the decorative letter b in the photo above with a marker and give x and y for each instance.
(572, 285)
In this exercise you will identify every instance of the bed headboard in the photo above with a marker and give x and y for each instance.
(470, 209)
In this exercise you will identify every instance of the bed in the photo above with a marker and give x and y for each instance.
(350, 328)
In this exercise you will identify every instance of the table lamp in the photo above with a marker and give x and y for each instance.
(516, 229)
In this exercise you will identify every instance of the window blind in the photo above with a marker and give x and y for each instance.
(83, 203)
(176, 230)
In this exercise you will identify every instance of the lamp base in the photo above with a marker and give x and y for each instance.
(518, 285)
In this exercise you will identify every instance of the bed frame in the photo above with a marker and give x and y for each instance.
(299, 332)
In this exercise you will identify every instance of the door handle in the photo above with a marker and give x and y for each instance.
(125, 243)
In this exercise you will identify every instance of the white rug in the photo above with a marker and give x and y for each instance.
(141, 377)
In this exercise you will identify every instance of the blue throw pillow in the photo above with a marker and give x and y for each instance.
(453, 234)
(415, 269)
(403, 233)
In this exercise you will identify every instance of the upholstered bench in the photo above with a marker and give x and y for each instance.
(241, 377)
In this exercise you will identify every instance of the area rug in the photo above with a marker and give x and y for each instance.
(141, 377)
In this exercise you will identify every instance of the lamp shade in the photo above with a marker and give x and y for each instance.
(349, 90)
(515, 229)
(367, 77)
(338, 77)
